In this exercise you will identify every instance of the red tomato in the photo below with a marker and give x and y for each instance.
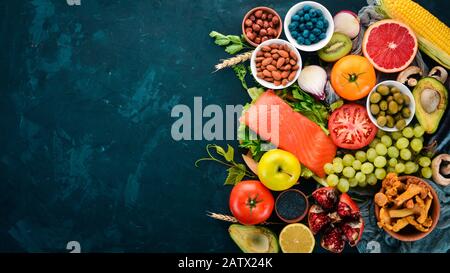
(350, 127)
(251, 202)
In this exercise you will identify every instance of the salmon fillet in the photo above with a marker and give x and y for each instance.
(297, 134)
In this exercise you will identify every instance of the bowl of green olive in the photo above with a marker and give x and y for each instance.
(391, 106)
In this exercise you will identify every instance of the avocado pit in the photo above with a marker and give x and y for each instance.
(440, 167)
(430, 99)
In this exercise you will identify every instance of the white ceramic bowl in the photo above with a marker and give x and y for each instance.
(314, 47)
(404, 90)
(269, 84)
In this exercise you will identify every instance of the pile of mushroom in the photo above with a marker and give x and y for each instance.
(440, 167)
(411, 75)
(402, 204)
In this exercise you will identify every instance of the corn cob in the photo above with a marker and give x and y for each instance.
(433, 35)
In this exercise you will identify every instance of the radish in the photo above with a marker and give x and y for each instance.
(347, 22)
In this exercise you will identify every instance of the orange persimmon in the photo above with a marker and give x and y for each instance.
(353, 77)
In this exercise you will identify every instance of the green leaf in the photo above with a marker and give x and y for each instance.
(234, 48)
(234, 39)
(335, 105)
(215, 34)
(235, 174)
(255, 92)
(229, 155)
(222, 41)
(241, 71)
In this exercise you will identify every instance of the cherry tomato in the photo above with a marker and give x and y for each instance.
(353, 77)
(251, 202)
(350, 127)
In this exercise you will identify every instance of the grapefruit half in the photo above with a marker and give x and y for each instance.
(390, 45)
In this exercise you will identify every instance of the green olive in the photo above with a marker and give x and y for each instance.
(406, 99)
(398, 97)
(400, 124)
(382, 114)
(381, 121)
(383, 90)
(374, 109)
(398, 117)
(394, 90)
(400, 107)
(393, 107)
(390, 98)
(390, 121)
(375, 97)
(383, 105)
(406, 112)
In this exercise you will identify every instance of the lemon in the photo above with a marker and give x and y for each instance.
(296, 238)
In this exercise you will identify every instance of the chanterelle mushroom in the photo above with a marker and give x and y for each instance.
(439, 73)
(441, 169)
(410, 76)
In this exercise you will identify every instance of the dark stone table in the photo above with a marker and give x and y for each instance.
(86, 152)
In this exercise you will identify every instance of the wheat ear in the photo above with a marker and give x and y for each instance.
(234, 60)
(231, 219)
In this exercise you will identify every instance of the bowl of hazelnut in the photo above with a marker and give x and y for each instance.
(261, 24)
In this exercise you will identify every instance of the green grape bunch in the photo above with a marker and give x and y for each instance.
(398, 152)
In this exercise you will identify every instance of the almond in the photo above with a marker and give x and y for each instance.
(276, 75)
(283, 53)
(285, 74)
(277, 83)
(292, 62)
(275, 56)
(267, 61)
(268, 79)
(273, 51)
(266, 48)
(259, 59)
(273, 46)
(260, 75)
(274, 63)
(267, 55)
(285, 82)
(259, 54)
(292, 76)
(271, 68)
(287, 67)
(293, 55)
(280, 62)
(267, 73)
(295, 67)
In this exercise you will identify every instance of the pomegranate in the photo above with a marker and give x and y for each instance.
(338, 216)
(317, 218)
(353, 231)
(332, 240)
(326, 197)
(347, 207)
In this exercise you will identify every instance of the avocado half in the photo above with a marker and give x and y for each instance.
(254, 239)
(431, 98)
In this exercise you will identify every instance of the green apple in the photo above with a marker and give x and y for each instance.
(278, 170)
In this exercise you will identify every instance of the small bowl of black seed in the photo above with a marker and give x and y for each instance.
(291, 206)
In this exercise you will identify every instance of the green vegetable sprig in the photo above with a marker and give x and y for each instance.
(233, 43)
(305, 104)
(236, 171)
(241, 71)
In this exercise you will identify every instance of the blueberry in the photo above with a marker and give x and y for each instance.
(301, 26)
(325, 23)
(307, 17)
(312, 13)
(300, 40)
(322, 36)
(294, 34)
(293, 26)
(305, 33)
(295, 18)
(302, 19)
(319, 24)
(309, 25)
(307, 7)
(319, 13)
(312, 37)
(300, 12)
(314, 20)
(307, 42)
(316, 31)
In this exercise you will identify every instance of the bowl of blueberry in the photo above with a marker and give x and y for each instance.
(309, 26)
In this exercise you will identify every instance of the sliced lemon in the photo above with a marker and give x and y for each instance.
(297, 238)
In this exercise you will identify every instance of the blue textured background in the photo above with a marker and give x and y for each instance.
(85, 100)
